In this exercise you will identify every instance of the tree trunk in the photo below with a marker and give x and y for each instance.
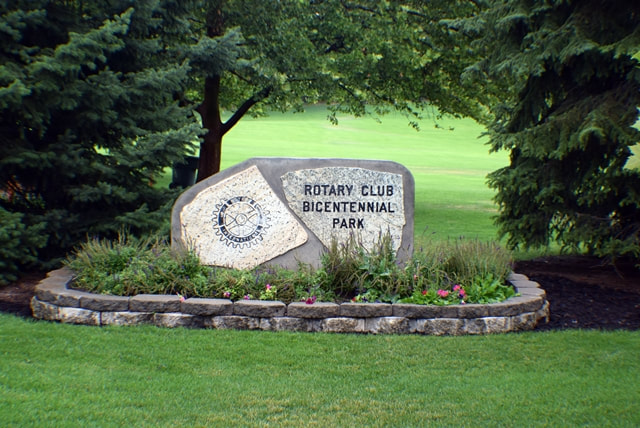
(211, 147)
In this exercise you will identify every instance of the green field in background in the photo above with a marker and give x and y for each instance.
(449, 163)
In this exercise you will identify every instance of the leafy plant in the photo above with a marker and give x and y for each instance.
(449, 273)
(489, 290)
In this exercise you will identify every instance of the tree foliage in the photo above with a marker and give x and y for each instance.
(569, 91)
(361, 57)
(89, 115)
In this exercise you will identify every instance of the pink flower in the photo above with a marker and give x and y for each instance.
(443, 293)
(424, 292)
(415, 277)
(311, 300)
(268, 287)
(182, 299)
(247, 297)
(227, 294)
(461, 293)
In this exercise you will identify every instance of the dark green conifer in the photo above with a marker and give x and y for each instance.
(569, 86)
(90, 114)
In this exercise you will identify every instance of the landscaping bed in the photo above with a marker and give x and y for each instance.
(54, 301)
(582, 293)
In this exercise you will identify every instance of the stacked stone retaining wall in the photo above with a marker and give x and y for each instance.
(55, 301)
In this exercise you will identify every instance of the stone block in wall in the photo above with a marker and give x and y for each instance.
(177, 319)
(498, 324)
(486, 325)
(533, 292)
(365, 310)
(343, 325)
(525, 321)
(259, 308)
(44, 310)
(517, 277)
(47, 291)
(64, 273)
(56, 281)
(521, 284)
(515, 305)
(126, 318)
(471, 311)
(542, 314)
(101, 302)
(78, 316)
(387, 325)
(154, 303)
(207, 307)
(315, 310)
(289, 324)
(410, 310)
(440, 326)
(232, 322)
(70, 297)
(473, 326)
(510, 307)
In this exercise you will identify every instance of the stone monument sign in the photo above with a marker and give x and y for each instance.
(281, 211)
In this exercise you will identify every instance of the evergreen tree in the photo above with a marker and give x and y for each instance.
(89, 115)
(570, 91)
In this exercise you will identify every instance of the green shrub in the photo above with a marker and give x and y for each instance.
(444, 273)
(131, 266)
(19, 244)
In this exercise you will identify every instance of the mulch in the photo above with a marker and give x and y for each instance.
(583, 292)
(586, 293)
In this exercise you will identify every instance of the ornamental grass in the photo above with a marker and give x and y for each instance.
(450, 272)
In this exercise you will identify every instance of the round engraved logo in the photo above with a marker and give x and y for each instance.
(240, 221)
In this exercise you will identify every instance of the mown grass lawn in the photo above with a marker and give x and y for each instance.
(68, 375)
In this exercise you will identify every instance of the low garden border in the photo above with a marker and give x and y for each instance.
(55, 301)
